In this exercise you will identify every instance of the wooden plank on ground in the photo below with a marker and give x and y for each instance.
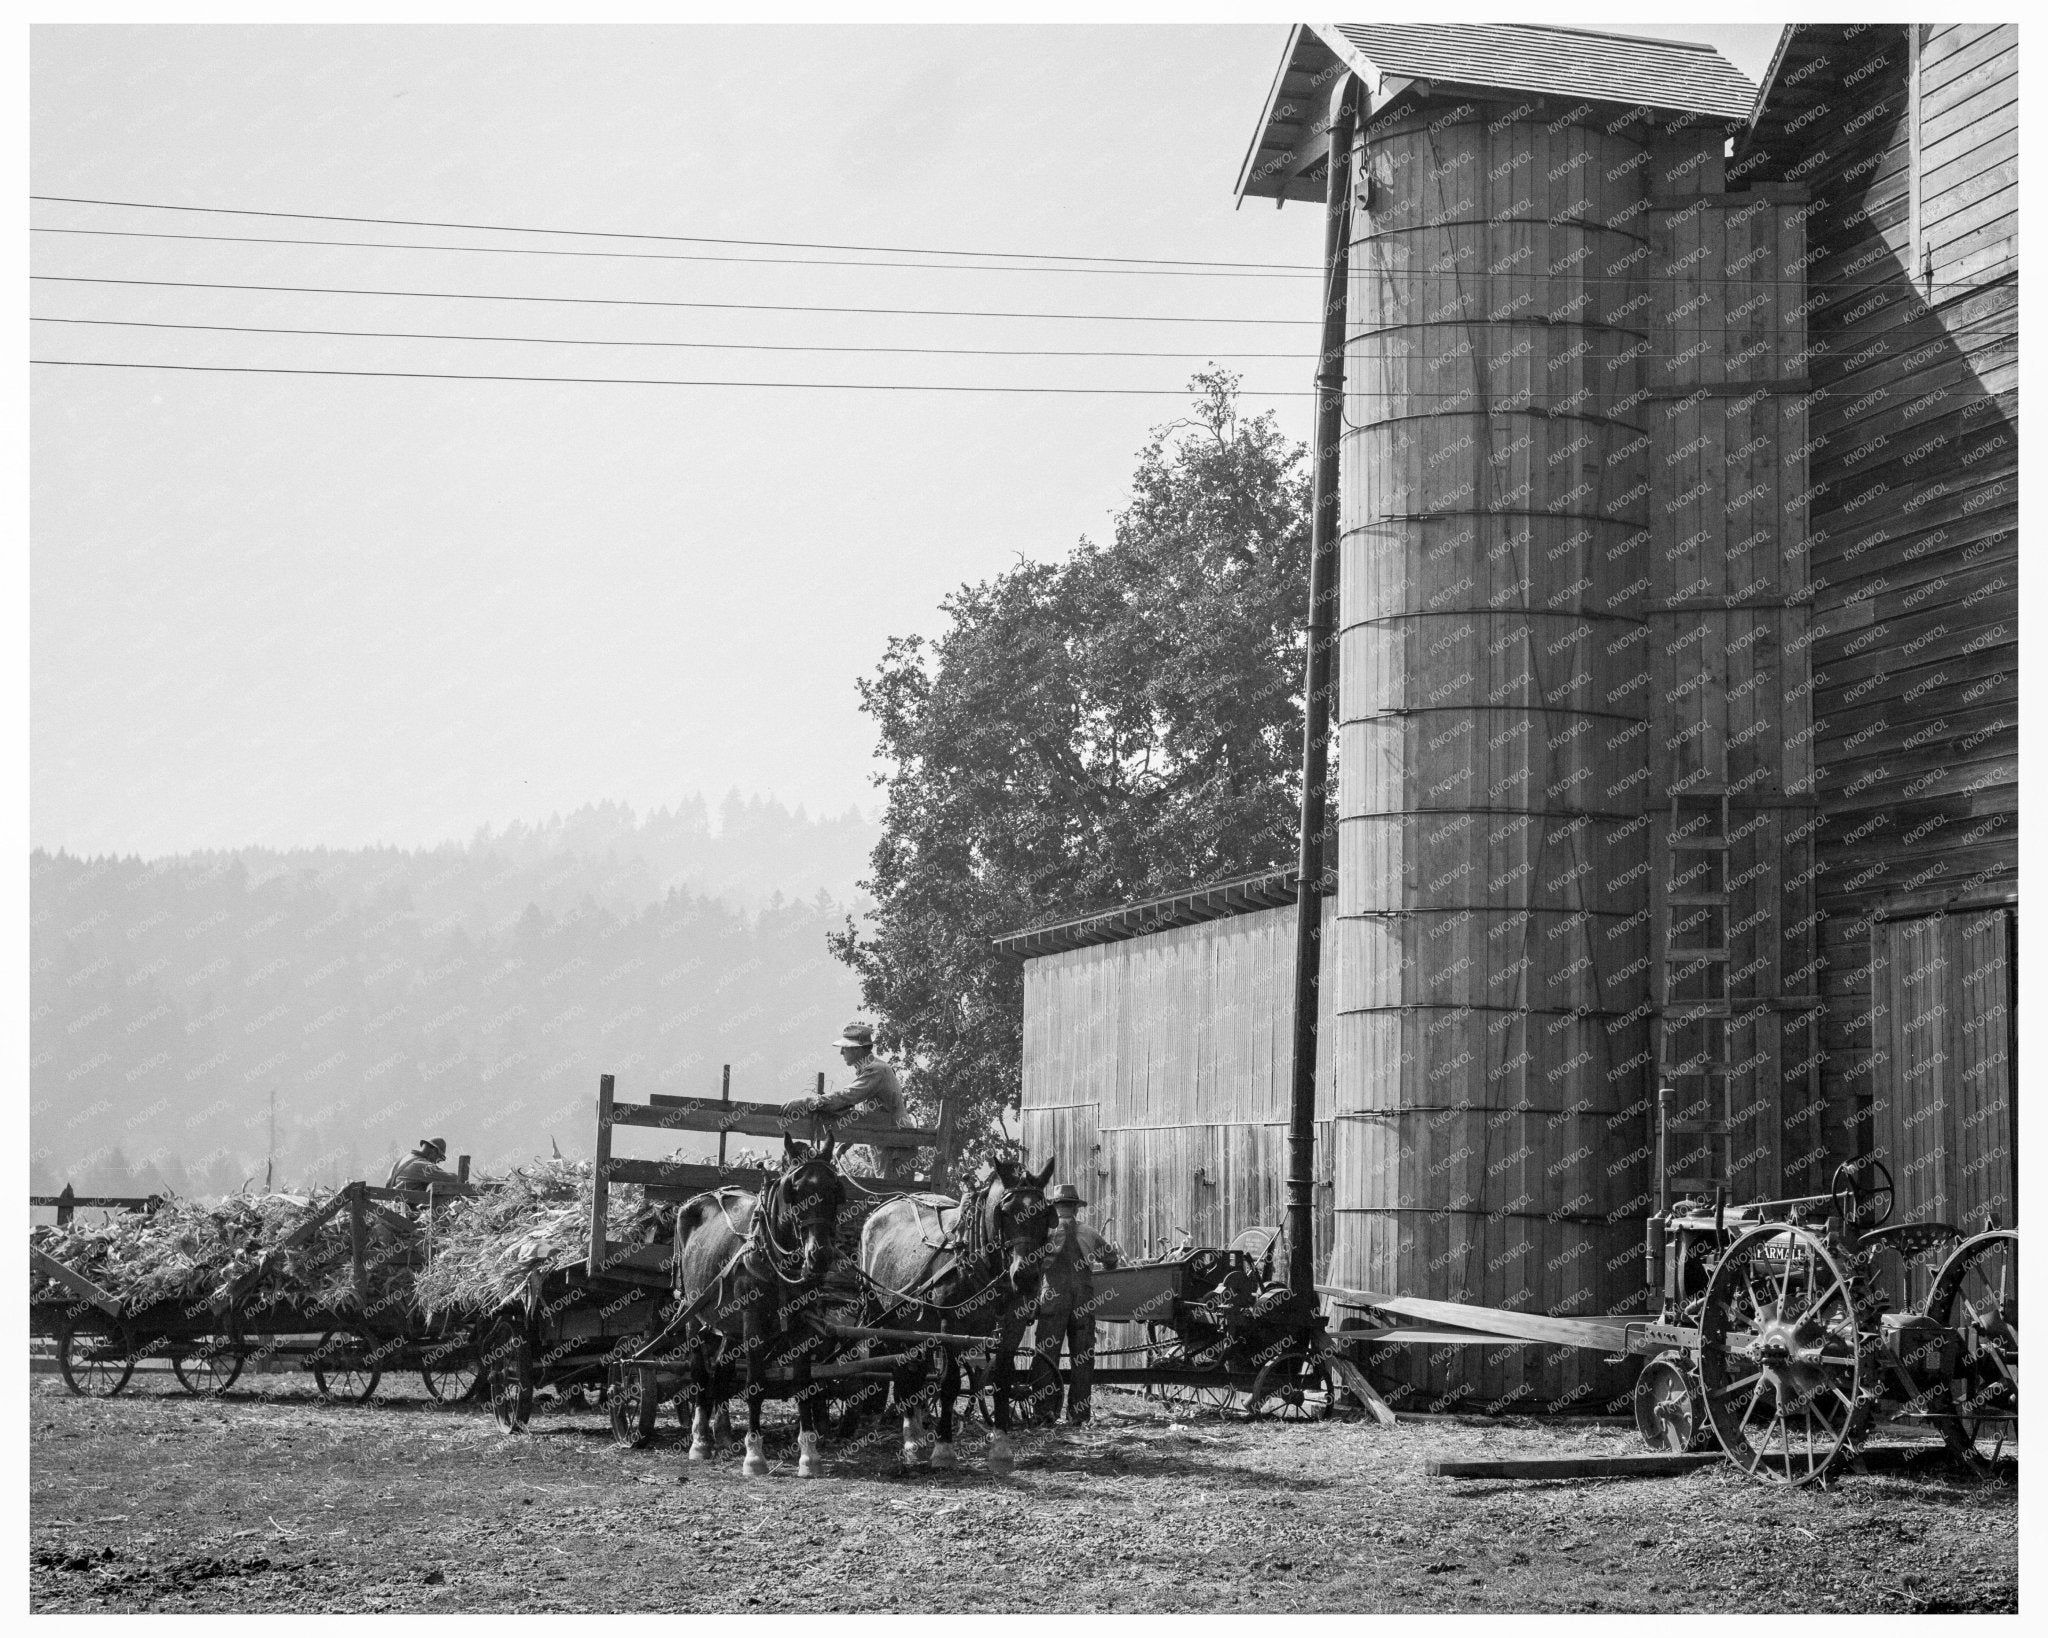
(1649, 1465)
(1606, 1331)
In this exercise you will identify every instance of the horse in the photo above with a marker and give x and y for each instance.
(973, 1267)
(748, 1268)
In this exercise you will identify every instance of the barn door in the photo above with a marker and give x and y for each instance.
(1943, 1117)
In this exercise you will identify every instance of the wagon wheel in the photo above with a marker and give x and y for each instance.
(1165, 1348)
(848, 1399)
(345, 1366)
(1298, 1386)
(1669, 1414)
(508, 1373)
(91, 1366)
(1976, 1297)
(1782, 1357)
(626, 1385)
(211, 1368)
(451, 1370)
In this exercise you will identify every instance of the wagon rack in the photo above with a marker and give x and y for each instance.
(582, 1324)
(209, 1341)
(1786, 1330)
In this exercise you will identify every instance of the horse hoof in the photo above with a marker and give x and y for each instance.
(1001, 1458)
(915, 1455)
(809, 1465)
(756, 1464)
(942, 1456)
(700, 1453)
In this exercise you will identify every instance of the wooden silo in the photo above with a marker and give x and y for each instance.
(1562, 605)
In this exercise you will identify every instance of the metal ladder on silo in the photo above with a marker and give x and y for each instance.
(1694, 1086)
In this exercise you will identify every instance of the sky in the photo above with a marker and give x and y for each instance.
(293, 609)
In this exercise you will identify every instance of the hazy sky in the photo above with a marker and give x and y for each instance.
(277, 609)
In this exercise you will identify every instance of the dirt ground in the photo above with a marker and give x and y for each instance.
(272, 1500)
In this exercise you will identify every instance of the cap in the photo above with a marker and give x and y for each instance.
(437, 1147)
(1064, 1194)
(857, 1034)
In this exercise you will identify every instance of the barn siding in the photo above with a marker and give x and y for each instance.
(1915, 322)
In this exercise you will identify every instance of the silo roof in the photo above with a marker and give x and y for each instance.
(1667, 76)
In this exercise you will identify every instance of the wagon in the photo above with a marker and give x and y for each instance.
(210, 1341)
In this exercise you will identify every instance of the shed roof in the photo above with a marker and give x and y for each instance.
(1268, 890)
(1667, 76)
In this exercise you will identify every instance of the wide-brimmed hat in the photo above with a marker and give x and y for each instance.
(1064, 1194)
(857, 1034)
(437, 1147)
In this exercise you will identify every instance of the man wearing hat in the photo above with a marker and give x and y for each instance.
(874, 1088)
(1066, 1303)
(422, 1166)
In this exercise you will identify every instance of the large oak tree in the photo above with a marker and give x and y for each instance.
(1123, 723)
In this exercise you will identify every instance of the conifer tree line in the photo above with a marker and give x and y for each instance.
(472, 991)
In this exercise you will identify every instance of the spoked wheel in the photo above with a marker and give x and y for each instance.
(626, 1392)
(1164, 1349)
(1782, 1366)
(94, 1365)
(450, 1370)
(1296, 1387)
(508, 1371)
(851, 1399)
(345, 1366)
(210, 1369)
(1977, 1298)
(1669, 1415)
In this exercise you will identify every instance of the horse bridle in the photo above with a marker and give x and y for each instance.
(786, 1259)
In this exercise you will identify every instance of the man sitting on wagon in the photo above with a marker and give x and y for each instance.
(422, 1166)
(875, 1089)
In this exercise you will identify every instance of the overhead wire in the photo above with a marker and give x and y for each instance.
(676, 256)
(643, 301)
(640, 341)
(668, 238)
(645, 381)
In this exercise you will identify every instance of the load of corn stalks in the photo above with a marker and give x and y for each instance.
(476, 1254)
(191, 1252)
(485, 1248)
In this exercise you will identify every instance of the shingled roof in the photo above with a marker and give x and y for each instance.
(1668, 76)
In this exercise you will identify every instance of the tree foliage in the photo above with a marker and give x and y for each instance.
(1123, 723)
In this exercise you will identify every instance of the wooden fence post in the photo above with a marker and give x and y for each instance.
(64, 1207)
(356, 1240)
(600, 1191)
(724, 1097)
(462, 1167)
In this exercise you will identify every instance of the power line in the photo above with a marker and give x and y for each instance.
(716, 346)
(643, 381)
(631, 301)
(667, 238)
(677, 256)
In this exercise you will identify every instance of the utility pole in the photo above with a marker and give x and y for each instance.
(270, 1154)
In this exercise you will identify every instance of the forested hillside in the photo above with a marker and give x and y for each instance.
(474, 991)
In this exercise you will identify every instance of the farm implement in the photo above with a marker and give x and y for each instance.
(1786, 1331)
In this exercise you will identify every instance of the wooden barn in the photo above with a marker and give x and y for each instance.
(1674, 566)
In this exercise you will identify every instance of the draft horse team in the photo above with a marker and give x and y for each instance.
(941, 1277)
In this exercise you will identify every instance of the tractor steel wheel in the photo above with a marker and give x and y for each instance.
(1296, 1387)
(96, 1366)
(1669, 1414)
(1783, 1368)
(344, 1366)
(1976, 1401)
(209, 1369)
